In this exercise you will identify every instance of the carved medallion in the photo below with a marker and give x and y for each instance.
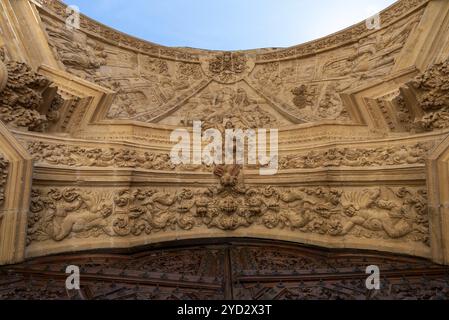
(228, 67)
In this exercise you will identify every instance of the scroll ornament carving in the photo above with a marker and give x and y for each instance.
(357, 157)
(381, 212)
(23, 96)
(432, 89)
(3, 176)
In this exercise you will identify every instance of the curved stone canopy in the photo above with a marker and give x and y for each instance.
(363, 119)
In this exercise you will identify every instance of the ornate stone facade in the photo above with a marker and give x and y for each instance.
(362, 117)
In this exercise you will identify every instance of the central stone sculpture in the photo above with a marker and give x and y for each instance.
(228, 67)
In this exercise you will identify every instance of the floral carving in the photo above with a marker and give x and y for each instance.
(189, 71)
(23, 97)
(381, 212)
(432, 90)
(228, 67)
(302, 97)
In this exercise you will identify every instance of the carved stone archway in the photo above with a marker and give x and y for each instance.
(87, 114)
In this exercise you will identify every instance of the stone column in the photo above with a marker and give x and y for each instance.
(16, 179)
(438, 193)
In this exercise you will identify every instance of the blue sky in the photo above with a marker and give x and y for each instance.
(229, 24)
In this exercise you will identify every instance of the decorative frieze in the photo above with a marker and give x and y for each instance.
(58, 214)
(82, 156)
(360, 157)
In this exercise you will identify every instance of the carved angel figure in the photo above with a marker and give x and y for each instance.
(376, 210)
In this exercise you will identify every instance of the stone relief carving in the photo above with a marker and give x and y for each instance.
(343, 37)
(303, 96)
(310, 88)
(158, 83)
(228, 67)
(359, 157)
(81, 156)
(241, 90)
(218, 105)
(52, 7)
(189, 71)
(432, 93)
(138, 96)
(27, 100)
(3, 176)
(379, 212)
(82, 56)
(346, 36)
(310, 102)
(155, 89)
(143, 83)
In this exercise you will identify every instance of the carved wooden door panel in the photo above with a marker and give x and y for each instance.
(241, 269)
